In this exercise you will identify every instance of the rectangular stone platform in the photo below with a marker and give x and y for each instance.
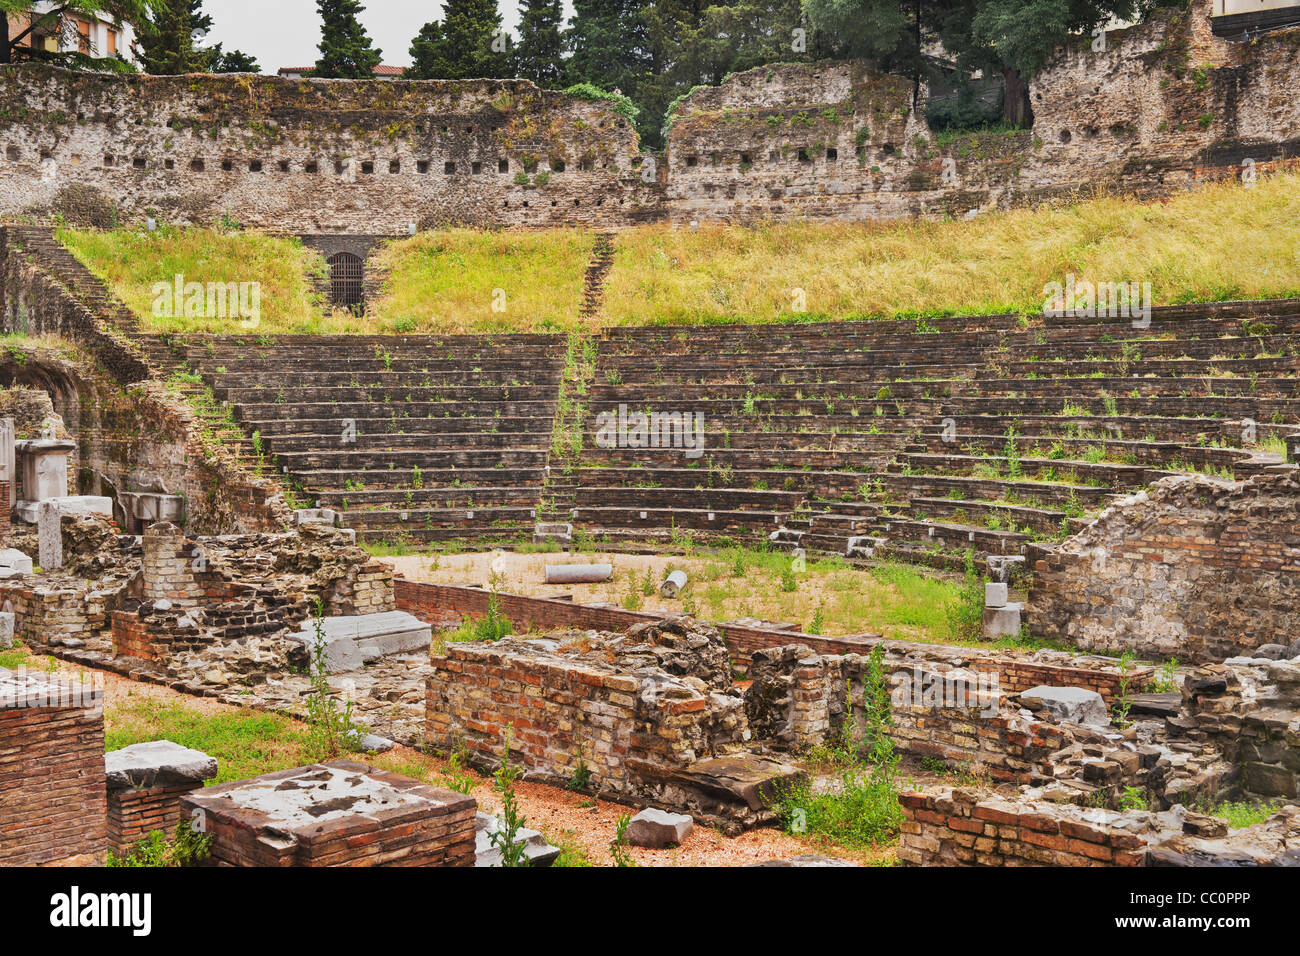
(340, 813)
(351, 642)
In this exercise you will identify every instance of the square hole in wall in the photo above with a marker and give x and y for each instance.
(773, 157)
(449, 168)
(422, 166)
(832, 154)
(255, 166)
(311, 167)
(197, 165)
(108, 160)
(746, 159)
(227, 165)
(557, 165)
(367, 168)
(503, 165)
(12, 154)
(803, 155)
(138, 163)
(692, 161)
(284, 165)
(476, 168)
(394, 165)
(169, 164)
(586, 165)
(338, 167)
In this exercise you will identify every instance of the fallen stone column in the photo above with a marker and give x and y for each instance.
(578, 573)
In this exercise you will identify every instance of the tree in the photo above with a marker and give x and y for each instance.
(538, 54)
(606, 45)
(169, 43)
(468, 44)
(346, 51)
(236, 61)
(18, 25)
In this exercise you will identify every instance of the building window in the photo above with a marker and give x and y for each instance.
(83, 36)
(111, 34)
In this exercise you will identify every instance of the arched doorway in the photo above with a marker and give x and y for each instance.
(346, 275)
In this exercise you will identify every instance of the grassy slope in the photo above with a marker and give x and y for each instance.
(447, 281)
(1222, 242)
(131, 262)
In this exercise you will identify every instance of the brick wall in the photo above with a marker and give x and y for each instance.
(417, 825)
(1195, 568)
(133, 814)
(131, 637)
(52, 790)
(949, 827)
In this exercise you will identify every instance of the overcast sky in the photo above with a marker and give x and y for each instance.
(285, 32)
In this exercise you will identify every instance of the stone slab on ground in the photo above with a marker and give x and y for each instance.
(351, 642)
(15, 560)
(745, 778)
(806, 859)
(1156, 705)
(657, 828)
(29, 511)
(536, 850)
(157, 763)
(1073, 704)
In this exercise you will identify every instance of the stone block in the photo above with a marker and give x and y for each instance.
(351, 642)
(29, 511)
(157, 763)
(6, 629)
(1002, 621)
(536, 850)
(1073, 704)
(657, 828)
(995, 594)
(49, 536)
(15, 560)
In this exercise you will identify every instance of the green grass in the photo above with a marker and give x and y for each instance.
(131, 262)
(245, 744)
(464, 280)
(1242, 813)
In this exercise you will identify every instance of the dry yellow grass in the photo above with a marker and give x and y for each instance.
(462, 280)
(1223, 241)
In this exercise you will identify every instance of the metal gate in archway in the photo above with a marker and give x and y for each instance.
(346, 273)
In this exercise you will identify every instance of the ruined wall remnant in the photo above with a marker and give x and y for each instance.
(312, 156)
(1165, 105)
(53, 808)
(1195, 568)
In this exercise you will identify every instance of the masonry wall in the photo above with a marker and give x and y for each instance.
(52, 790)
(134, 813)
(308, 156)
(1196, 568)
(1163, 106)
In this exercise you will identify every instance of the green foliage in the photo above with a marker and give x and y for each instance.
(1243, 813)
(537, 55)
(331, 728)
(618, 846)
(346, 51)
(506, 837)
(1123, 701)
(965, 612)
(621, 103)
(460, 46)
(17, 43)
(863, 808)
(187, 848)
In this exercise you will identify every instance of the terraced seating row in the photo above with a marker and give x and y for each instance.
(927, 439)
(411, 437)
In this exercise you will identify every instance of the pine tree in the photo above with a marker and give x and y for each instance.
(538, 54)
(346, 51)
(469, 43)
(606, 43)
(167, 43)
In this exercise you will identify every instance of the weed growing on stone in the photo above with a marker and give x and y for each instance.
(331, 728)
(187, 847)
(618, 846)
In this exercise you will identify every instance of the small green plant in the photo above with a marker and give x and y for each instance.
(1134, 798)
(1123, 702)
(965, 612)
(1166, 679)
(331, 728)
(618, 846)
(506, 837)
(818, 624)
(188, 847)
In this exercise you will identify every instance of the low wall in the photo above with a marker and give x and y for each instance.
(1196, 568)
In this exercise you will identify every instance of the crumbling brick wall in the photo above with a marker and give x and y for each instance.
(589, 701)
(1195, 568)
(52, 789)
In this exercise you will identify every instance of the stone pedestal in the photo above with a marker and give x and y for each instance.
(145, 785)
(67, 505)
(340, 813)
(8, 461)
(44, 466)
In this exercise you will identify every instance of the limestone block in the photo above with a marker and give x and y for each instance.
(68, 505)
(15, 560)
(536, 850)
(1002, 621)
(995, 594)
(6, 630)
(1073, 704)
(157, 763)
(49, 536)
(657, 828)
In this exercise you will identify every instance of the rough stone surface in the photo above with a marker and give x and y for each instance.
(657, 828)
(536, 850)
(157, 763)
(1071, 704)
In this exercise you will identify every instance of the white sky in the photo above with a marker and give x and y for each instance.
(285, 32)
